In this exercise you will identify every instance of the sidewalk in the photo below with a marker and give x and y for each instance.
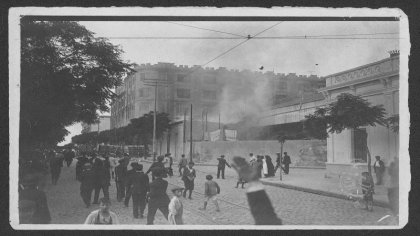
(314, 181)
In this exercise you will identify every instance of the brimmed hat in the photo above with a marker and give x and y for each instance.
(176, 188)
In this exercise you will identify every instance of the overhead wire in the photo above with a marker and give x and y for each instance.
(196, 27)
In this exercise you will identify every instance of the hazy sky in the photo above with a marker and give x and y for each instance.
(319, 56)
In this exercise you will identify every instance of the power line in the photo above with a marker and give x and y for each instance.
(235, 38)
(196, 27)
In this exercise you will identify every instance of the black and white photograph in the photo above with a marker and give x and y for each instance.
(208, 118)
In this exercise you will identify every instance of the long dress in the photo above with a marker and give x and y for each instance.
(175, 211)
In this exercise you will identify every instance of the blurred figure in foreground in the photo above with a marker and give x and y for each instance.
(259, 203)
(175, 207)
(103, 216)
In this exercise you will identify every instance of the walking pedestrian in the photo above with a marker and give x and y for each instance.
(127, 187)
(379, 168)
(79, 165)
(33, 206)
(102, 180)
(138, 183)
(120, 179)
(87, 183)
(170, 162)
(221, 166)
(103, 216)
(158, 199)
(286, 162)
(258, 201)
(270, 166)
(113, 161)
(56, 163)
(258, 165)
(68, 156)
(158, 165)
(176, 207)
(211, 189)
(182, 164)
(188, 177)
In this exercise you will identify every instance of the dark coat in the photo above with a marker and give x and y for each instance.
(87, 179)
(157, 193)
(270, 166)
(222, 163)
(286, 160)
(120, 173)
(381, 168)
(138, 182)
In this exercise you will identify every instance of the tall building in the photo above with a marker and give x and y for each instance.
(209, 90)
(102, 124)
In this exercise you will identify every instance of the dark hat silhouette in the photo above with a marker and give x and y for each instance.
(222, 156)
(191, 163)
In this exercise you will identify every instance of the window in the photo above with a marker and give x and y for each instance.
(210, 79)
(209, 94)
(181, 78)
(183, 93)
(359, 145)
(180, 108)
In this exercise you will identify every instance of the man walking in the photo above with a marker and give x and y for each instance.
(286, 162)
(56, 163)
(221, 166)
(158, 199)
(120, 179)
(87, 180)
(182, 164)
(379, 168)
(138, 183)
(102, 179)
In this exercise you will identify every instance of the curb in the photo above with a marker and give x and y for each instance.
(323, 193)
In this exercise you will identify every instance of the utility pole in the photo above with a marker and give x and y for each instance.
(155, 83)
(183, 130)
(191, 138)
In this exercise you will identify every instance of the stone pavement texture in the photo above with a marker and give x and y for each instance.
(293, 207)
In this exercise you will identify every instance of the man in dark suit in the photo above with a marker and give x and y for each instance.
(259, 203)
(221, 166)
(138, 183)
(120, 179)
(158, 199)
(156, 165)
(286, 162)
(379, 168)
(128, 189)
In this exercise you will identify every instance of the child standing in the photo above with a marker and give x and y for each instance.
(211, 189)
(175, 207)
(367, 190)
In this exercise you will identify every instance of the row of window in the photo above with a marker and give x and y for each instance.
(180, 93)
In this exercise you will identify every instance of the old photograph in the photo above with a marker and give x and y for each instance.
(206, 118)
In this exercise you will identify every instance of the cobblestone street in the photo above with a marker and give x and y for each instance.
(293, 207)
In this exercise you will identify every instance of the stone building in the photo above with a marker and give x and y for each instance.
(103, 124)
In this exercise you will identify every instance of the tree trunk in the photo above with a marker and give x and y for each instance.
(369, 161)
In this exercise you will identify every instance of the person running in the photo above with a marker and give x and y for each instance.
(103, 216)
(87, 183)
(211, 189)
(260, 205)
(176, 207)
(158, 199)
(188, 177)
(33, 206)
(182, 164)
(221, 166)
(138, 183)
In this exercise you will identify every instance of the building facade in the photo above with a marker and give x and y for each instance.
(103, 124)
(205, 88)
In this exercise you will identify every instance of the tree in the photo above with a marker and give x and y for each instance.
(347, 112)
(67, 75)
(394, 123)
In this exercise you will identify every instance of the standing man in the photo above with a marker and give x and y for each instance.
(138, 183)
(188, 177)
(56, 163)
(221, 166)
(171, 162)
(379, 168)
(286, 162)
(182, 164)
(120, 179)
(158, 199)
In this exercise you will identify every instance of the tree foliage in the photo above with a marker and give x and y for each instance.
(347, 112)
(394, 123)
(138, 132)
(67, 75)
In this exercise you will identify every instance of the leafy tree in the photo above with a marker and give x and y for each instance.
(67, 75)
(394, 123)
(347, 112)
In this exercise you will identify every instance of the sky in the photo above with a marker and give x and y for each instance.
(329, 47)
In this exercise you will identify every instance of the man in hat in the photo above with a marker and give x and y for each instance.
(127, 187)
(176, 207)
(188, 178)
(158, 199)
(379, 168)
(120, 179)
(138, 184)
(157, 165)
(87, 183)
(286, 162)
(182, 164)
(221, 166)
(33, 207)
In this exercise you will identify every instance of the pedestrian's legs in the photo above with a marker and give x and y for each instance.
(151, 212)
(190, 192)
(243, 184)
(164, 210)
(237, 184)
(218, 172)
(136, 198)
(96, 196)
(286, 169)
(105, 190)
(127, 197)
(180, 172)
(184, 194)
(142, 204)
(223, 173)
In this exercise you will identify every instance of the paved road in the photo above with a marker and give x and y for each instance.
(294, 207)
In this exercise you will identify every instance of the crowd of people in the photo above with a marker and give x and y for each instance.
(95, 172)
